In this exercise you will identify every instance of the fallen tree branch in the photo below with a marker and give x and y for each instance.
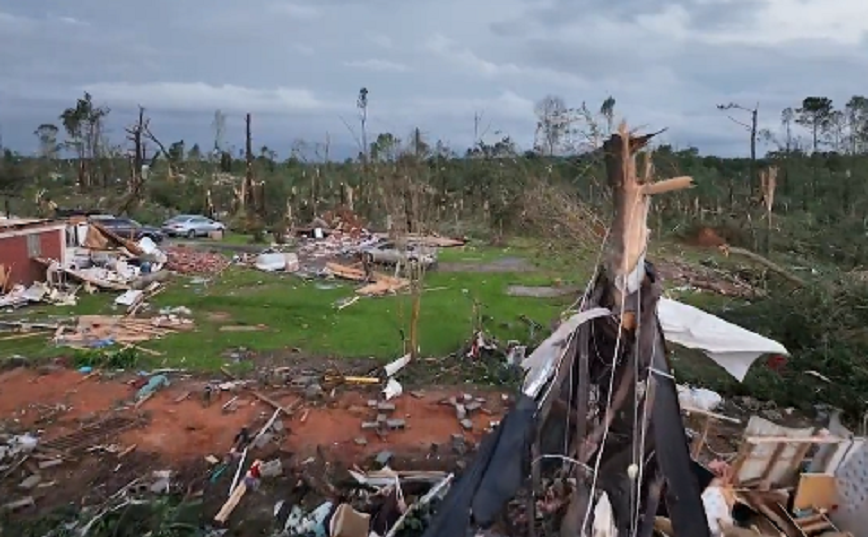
(764, 261)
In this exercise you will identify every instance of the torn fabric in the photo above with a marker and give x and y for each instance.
(732, 347)
(492, 478)
(540, 365)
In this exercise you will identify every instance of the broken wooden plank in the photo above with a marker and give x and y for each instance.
(230, 505)
(827, 439)
(276, 404)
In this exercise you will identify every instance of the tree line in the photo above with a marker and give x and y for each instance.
(818, 150)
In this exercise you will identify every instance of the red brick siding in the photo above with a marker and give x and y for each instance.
(14, 255)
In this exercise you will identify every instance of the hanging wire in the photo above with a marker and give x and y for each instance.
(615, 354)
(564, 458)
(638, 443)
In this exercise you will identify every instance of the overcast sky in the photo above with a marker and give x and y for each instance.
(297, 66)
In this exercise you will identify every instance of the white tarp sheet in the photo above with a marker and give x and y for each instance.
(732, 347)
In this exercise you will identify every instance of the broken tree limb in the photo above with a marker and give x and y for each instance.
(768, 263)
(668, 185)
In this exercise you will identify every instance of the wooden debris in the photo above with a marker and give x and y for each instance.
(27, 501)
(92, 374)
(231, 503)
(244, 328)
(139, 348)
(382, 283)
(5, 273)
(435, 241)
(21, 336)
(228, 405)
(816, 492)
(49, 463)
(122, 330)
(275, 404)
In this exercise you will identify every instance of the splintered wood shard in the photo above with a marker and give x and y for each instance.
(625, 274)
(629, 237)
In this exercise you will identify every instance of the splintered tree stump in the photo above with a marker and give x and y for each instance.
(631, 193)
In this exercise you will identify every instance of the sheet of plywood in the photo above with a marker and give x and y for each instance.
(767, 461)
(816, 491)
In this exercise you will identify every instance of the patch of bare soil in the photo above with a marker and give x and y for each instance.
(219, 316)
(706, 237)
(506, 264)
(176, 430)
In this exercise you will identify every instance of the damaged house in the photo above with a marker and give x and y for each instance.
(22, 241)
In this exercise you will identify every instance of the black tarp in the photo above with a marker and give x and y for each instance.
(492, 479)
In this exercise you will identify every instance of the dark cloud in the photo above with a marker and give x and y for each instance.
(704, 14)
(297, 65)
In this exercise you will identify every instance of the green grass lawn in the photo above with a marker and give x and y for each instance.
(301, 314)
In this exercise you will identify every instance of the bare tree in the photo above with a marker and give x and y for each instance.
(219, 127)
(247, 185)
(139, 133)
(47, 136)
(607, 109)
(751, 127)
(135, 135)
(478, 134)
(552, 124)
(362, 105)
(856, 111)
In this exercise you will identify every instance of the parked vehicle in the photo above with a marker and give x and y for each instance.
(128, 228)
(191, 226)
(385, 252)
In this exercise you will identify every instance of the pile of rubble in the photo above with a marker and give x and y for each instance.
(186, 260)
(96, 331)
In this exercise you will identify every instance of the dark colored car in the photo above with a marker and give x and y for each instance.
(130, 229)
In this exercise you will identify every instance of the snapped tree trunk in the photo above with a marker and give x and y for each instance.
(625, 271)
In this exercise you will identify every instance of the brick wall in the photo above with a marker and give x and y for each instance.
(15, 253)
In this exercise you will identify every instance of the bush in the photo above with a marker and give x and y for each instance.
(825, 328)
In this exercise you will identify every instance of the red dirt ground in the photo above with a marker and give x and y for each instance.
(707, 237)
(179, 432)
